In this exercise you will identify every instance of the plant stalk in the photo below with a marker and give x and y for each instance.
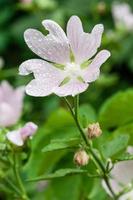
(97, 162)
(18, 178)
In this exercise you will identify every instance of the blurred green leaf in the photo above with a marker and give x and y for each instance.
(87, 114)
(123, 157)
(59, 119)
(117, 110)
(68, 187)
(126, 129)
(58, 174)
(59, 126)
(62, 144)
(46, 4)
(111, 148)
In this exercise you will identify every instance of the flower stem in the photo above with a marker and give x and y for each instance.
(97, 162)
(11, 184)
(18, 178)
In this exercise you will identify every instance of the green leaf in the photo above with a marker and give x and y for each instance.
(62, 144)
(59, 125)
(59, 119)
(123, 157)
(117, 110)
(87, 114)
(68, 187)
(110, 148)
(58, 174)
(126, 129)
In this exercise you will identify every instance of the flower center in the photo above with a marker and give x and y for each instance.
(72, 70)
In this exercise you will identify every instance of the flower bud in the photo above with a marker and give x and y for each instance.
(81, 158)
(18, 137)
(28, 130)
(101, 8)
(94, 130)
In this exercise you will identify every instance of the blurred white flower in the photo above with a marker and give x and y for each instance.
(70, 52)
(18, 137)
(1, 62)
(122, 176)
(11, 102)
(123, 16)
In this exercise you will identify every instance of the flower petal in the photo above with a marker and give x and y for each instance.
(40, 69)
(47, 77)
(91, 73)
(15, 137)
(53, 47)
(6, 91)
(28, 130)
(97, 32)
(11, 102)
(84, 45)
(127, 168)
(121, 176)
(9, 114)
(73, 87)
(39, 88)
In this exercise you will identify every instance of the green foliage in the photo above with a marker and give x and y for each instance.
(57, 139)
(59, 173)
(62, 144)
(114, 146)
(126, 129)
(123, 157)
(117, 110)
(87, 114)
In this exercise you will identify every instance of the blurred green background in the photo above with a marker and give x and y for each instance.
(55, 122)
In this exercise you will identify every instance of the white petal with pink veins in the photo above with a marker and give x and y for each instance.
(91, 73)
(53, 47)
(41, 69)
(73, 87)
(15, 137)
(84, 45)
(39, 88)
(47, 77)
(97, 32)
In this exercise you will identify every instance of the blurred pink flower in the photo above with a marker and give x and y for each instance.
(122, 176)
(26, 1)
(123, 15)
(18, 137)
(11, 102)
(64, 75)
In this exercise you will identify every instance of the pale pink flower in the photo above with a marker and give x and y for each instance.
(57, 48)
(26, 1)
(18, 137)
(11, 102)
(123, 16)
(122, 176)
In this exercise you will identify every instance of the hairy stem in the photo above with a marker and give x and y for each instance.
(18, 178)
(97, 161)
